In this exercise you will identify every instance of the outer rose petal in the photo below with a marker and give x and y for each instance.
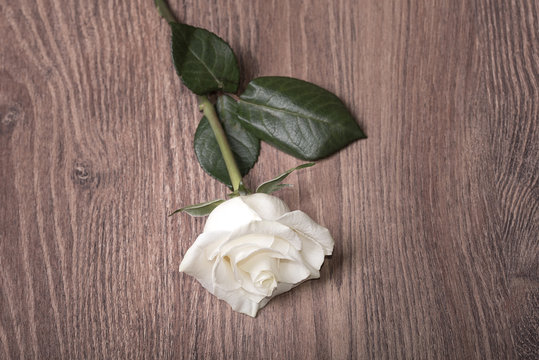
(302, 223)
(266, 206)
(293, 272)
(230, 215)
(313, 254)
(197, 262)
(273, 228)
(240, 301)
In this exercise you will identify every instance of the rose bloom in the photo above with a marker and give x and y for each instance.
(254, 248)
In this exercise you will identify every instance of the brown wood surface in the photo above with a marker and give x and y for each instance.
(435, 215)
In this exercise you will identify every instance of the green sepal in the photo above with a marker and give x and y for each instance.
(275, 184)
(240, 192)
(201, 209)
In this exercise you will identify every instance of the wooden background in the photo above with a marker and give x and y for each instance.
(435, 215)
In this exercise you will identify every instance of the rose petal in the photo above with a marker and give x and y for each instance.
(301, 222)
(258, 263)
(239, 294)
(292, 272)
(312, 252)
(266, 206)
(245, 244)
(266, 227)
(230, 215)
(240, 300)
(210, 242)
(250, 268)
(223, 275)
(280, 289)
(196, 264)
(242, 253)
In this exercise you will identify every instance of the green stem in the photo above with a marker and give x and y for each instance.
(164, 11)
(209, 111)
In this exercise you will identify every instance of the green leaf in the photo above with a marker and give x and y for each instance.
(275, 184)
(244, 146)
(297, 117)
(202, 209)
(204, 61)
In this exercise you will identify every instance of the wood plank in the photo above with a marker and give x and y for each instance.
(435, 215)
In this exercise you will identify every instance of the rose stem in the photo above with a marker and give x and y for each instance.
(164, 11)
(209, 111)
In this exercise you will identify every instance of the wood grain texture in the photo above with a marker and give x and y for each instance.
(435, 215)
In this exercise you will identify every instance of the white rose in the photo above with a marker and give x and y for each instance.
(254, 248)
